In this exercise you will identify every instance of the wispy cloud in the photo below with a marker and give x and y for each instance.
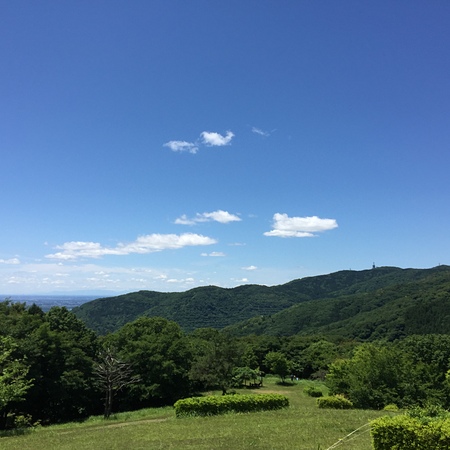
(214, 254)
(260, 132)
(208, 138)
(215, 216)
(284, 226)
(143, 244)
(182, 146)
(10, 261)
(249, 268)
(183, 280)
(215, 139)
(240, 280)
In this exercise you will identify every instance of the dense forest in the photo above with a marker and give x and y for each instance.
(369, 304)
(379, 337)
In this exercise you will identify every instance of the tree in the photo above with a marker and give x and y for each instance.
(215, 356)
(13, 378)
(316, 358)
(242, 375)
(377, 375)
(278, 364)
(113, 375)
(61, 353)
(159, 354)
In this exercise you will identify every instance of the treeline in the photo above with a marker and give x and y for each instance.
(368, 304)
(54, 369)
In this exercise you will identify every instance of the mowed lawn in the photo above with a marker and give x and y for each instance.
(301, 426)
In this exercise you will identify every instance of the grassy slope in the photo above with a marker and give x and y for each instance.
(301, 426)
(216, 307)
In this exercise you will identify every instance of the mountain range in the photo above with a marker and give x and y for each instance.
(383, 302)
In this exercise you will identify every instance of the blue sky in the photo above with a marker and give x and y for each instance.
(164, 145)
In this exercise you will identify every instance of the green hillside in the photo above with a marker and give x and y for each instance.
(357, 303)
(394, 311)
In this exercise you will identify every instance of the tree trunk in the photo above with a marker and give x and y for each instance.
(108, 403)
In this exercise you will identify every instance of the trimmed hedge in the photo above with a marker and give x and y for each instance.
(313, 391)
(406, 433)
(212, 405)
(334, 402)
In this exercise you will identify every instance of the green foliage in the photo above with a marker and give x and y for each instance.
(61, 352)
(313, 391)
(386, 304)
(428, 413)
(214, 359)
(22, 421)
(159, 355)
(112, 375)
(411, 372)
(374, 377)
(278, 364)
(334, 402)
(57, 350)
(368, 304)
(212, 405)
(310, 355)
(391, 407)
(302, 426)
(245, 375)
(405, 433)
(13, 376)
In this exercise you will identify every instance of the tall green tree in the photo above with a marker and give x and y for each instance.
(61, 352)
(278, 364)
(215, 357)
(13, 378)
(377, 375)
(158, 352)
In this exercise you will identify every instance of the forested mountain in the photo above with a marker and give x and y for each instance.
(368, 304)
(391, 312)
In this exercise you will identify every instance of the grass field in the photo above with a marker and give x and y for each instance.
(302, 426)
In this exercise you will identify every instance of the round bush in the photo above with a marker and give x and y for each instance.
(334, 402)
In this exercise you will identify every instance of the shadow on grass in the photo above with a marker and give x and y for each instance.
(285, 383)
(16, 432)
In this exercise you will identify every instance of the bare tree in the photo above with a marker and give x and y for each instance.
(113, 374)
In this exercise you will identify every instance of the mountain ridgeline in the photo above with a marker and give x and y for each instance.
(384, 302)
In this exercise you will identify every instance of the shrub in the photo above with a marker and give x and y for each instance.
(391, 407)
(16, 421)
(428, 413)
(334, 402)
(405, 433)
(212, 405)
(313, 391)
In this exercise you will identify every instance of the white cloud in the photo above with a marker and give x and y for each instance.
(184, 280)
(182, 146)
(161, 277)
(216, 216)
(249, 268)
(214, 254)
(10, 261)
(216, 139)
(143, 244)
(260, 132)
(284, 226)
(241, 280)
(208, 138)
